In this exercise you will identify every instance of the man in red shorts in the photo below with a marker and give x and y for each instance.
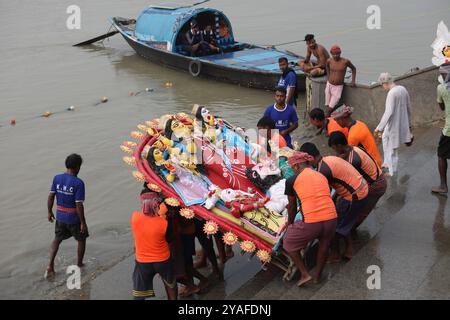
(319, 214)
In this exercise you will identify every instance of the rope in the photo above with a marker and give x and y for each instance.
(109, 29)
(365, 28)
(48, 114)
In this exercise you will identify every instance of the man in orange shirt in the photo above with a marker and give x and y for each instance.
(318, 210)
(329, 125)
(359, 134)
(352, 191)
(152, 234)
(365, 165)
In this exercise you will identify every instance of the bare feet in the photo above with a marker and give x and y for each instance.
(218, 273)
(348, 257)
(354, 235)
(334, 258)
(49, 273)
(188, 291)
(409, 144)
(202, 285)
(348, 254)
(229, 252)
(199, 253)
(386, 172)
(440, 190)
(201, 263)
(303, 280)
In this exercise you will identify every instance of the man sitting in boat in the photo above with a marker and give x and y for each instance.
(194, 39)
(200, 43)
(209, 39)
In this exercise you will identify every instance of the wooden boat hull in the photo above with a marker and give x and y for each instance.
(247, 78)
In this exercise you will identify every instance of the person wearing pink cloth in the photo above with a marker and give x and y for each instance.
(336, 67)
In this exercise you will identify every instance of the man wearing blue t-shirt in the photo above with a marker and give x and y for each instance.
(288, 81)
(284, 115)
(70, 221)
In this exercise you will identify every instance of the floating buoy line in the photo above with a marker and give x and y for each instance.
(48, 113)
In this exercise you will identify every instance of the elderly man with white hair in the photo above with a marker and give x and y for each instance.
(395, 125)
(443, 99)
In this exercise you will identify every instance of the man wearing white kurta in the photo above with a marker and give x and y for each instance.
(395, 123)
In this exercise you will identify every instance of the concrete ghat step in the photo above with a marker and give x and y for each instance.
(238, 271)
(399, 192)
(411, 251)
(244, 281)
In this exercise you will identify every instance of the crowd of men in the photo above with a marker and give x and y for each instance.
(357, 172)
(165, 241)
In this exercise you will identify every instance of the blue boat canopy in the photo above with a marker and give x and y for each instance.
(156, 24)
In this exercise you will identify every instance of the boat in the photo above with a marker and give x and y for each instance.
(206, 168)
(158, 32)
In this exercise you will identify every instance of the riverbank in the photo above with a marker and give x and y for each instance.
(43, 72)
(407, 236)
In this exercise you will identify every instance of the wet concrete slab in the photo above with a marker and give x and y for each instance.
(410, 249)
(407, 236)
(116, 283)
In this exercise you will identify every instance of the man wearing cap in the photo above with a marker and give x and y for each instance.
(336, 67)
(359, 134)
(395, 123)
(194, 39)
(443, 99)
(319, 51)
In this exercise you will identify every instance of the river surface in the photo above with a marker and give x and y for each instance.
(41, 71)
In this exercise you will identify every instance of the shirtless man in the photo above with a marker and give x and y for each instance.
(319, 52)
(336, 67)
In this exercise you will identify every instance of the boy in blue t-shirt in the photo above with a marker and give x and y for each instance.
(284, 115)
(68, 190)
